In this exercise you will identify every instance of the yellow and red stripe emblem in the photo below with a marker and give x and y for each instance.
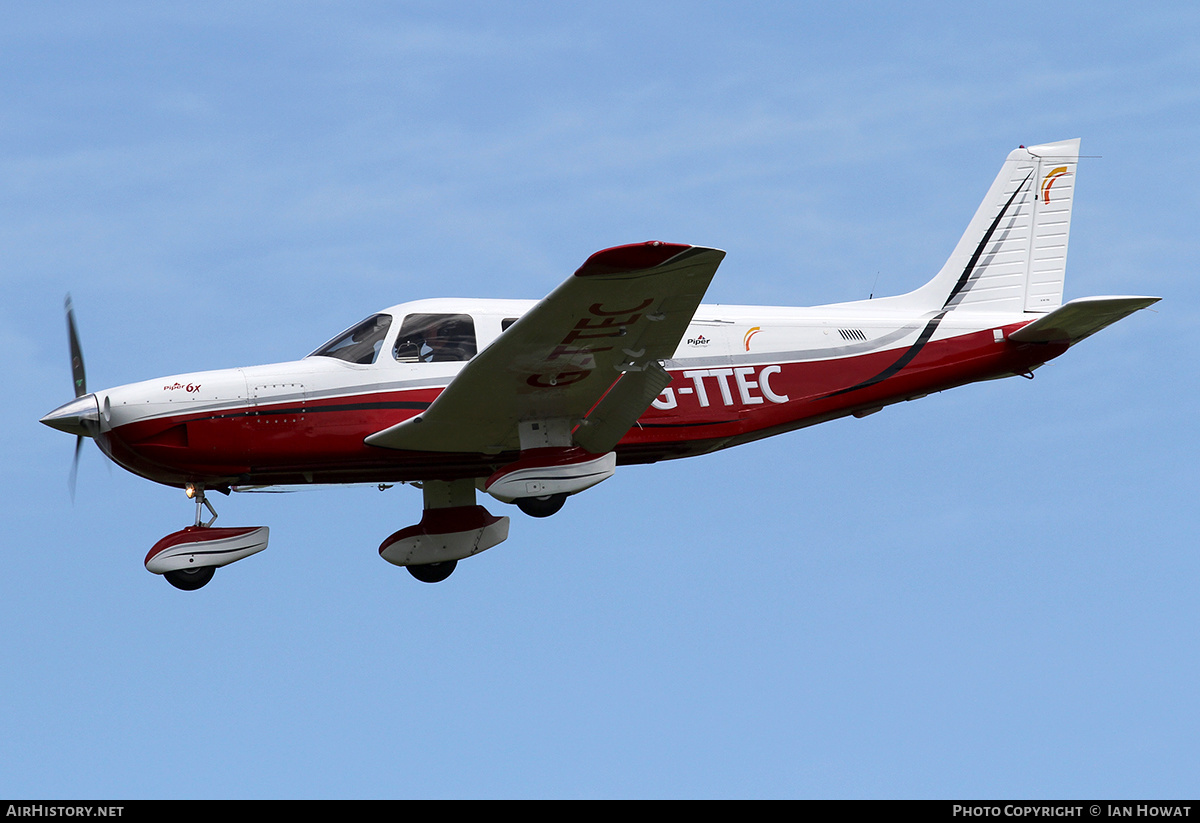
(1049, 179)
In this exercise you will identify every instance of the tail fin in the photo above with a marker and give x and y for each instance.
(1013, 256)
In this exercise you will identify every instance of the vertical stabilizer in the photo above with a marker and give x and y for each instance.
(1013, 255)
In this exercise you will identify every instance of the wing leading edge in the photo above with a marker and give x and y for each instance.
(588, 354)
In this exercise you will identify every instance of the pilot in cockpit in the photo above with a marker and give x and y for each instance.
(435, 339)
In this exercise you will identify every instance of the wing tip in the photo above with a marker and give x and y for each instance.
(631, 257)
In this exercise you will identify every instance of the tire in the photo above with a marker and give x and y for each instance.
(189, 580)
(541, 506)
(432, 572)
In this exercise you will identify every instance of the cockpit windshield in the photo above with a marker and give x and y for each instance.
(360, 344)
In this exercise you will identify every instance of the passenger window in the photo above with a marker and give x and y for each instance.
(435, 338)
(506, 322)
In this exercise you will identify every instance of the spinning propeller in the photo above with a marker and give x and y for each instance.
(81, 416)
(79, 377)
(77, 373)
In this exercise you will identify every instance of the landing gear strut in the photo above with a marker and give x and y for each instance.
(197, 492)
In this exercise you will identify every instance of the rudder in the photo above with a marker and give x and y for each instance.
(1013, 256)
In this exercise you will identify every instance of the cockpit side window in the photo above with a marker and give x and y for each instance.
(435, 338)
(360, 344)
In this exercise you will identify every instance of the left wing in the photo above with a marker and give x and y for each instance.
(588, 354)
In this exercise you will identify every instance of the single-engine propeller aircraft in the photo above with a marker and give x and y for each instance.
(532, 402)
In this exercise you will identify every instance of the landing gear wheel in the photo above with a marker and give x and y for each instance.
(541, 506)
(190, 579)
(432, 572)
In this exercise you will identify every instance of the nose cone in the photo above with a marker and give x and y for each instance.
(80, 416)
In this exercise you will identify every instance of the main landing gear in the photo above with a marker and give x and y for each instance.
(189, 558)
(452, 527)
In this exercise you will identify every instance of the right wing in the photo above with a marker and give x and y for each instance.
(586, 354)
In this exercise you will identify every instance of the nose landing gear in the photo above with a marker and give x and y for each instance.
(189, 558)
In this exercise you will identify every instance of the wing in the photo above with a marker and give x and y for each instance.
(587, 354)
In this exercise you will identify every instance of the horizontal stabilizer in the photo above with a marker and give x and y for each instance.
(1080, 318)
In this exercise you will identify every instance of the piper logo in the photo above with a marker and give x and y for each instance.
(749, 334)
(1049, 179)
(699, 340)
(190, 387)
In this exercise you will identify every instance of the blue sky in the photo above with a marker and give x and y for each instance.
(989, 593)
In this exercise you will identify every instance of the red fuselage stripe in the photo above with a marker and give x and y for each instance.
(321, 441)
